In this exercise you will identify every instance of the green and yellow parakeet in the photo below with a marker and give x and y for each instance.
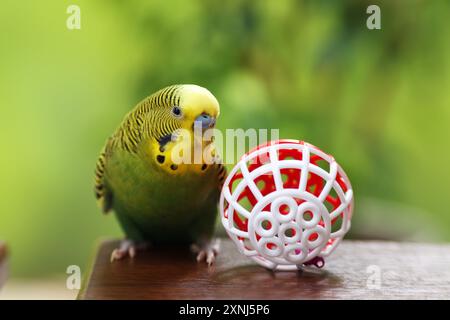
(156, 200)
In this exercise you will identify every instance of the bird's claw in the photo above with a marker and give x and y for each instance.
(127, 248)
(207, 251)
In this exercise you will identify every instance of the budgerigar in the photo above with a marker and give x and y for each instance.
(158, 200)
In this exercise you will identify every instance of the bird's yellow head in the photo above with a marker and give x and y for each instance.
(196, 104)
(179, 108)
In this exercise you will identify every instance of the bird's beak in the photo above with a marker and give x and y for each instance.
(204, 121)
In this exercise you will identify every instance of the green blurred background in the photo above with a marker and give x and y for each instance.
(379, 101)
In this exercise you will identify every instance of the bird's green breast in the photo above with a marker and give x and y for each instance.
(158, 205)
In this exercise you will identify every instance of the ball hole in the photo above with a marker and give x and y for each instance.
(235, 182)
(323, 164)
(313, 236)
(260, 184)
(336, 223)
(289, 233)
(239, 221)
(245, 202)
(307, 216)
(266, 225)
(284, 209)
(332, 201)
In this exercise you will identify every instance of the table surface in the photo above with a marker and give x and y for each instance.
(3, 271)
(356, 270)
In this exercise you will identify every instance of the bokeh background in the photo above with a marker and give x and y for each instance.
(378, 100)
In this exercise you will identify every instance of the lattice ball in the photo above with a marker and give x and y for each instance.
(287, 204)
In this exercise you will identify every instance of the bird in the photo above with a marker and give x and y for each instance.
(158, 199)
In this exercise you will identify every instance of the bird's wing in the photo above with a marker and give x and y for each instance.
(103, 195)
(222, 174)
(127, 137)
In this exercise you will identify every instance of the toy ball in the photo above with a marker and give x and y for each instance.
(286, 204)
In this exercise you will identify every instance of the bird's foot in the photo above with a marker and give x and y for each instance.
(127, 248)
(207, 251)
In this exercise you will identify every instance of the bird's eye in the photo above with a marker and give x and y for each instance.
(176, 111)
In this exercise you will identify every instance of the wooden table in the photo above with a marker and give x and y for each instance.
(3, 271)
(356, 270)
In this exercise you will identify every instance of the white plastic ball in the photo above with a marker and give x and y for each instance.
(287, 204)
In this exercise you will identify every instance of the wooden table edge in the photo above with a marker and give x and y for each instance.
(3, 263)
(371, 244)
(91, 264)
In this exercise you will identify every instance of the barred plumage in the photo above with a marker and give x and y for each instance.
(101, 193)
(222, 174)
(150, 119)
(137, 125)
